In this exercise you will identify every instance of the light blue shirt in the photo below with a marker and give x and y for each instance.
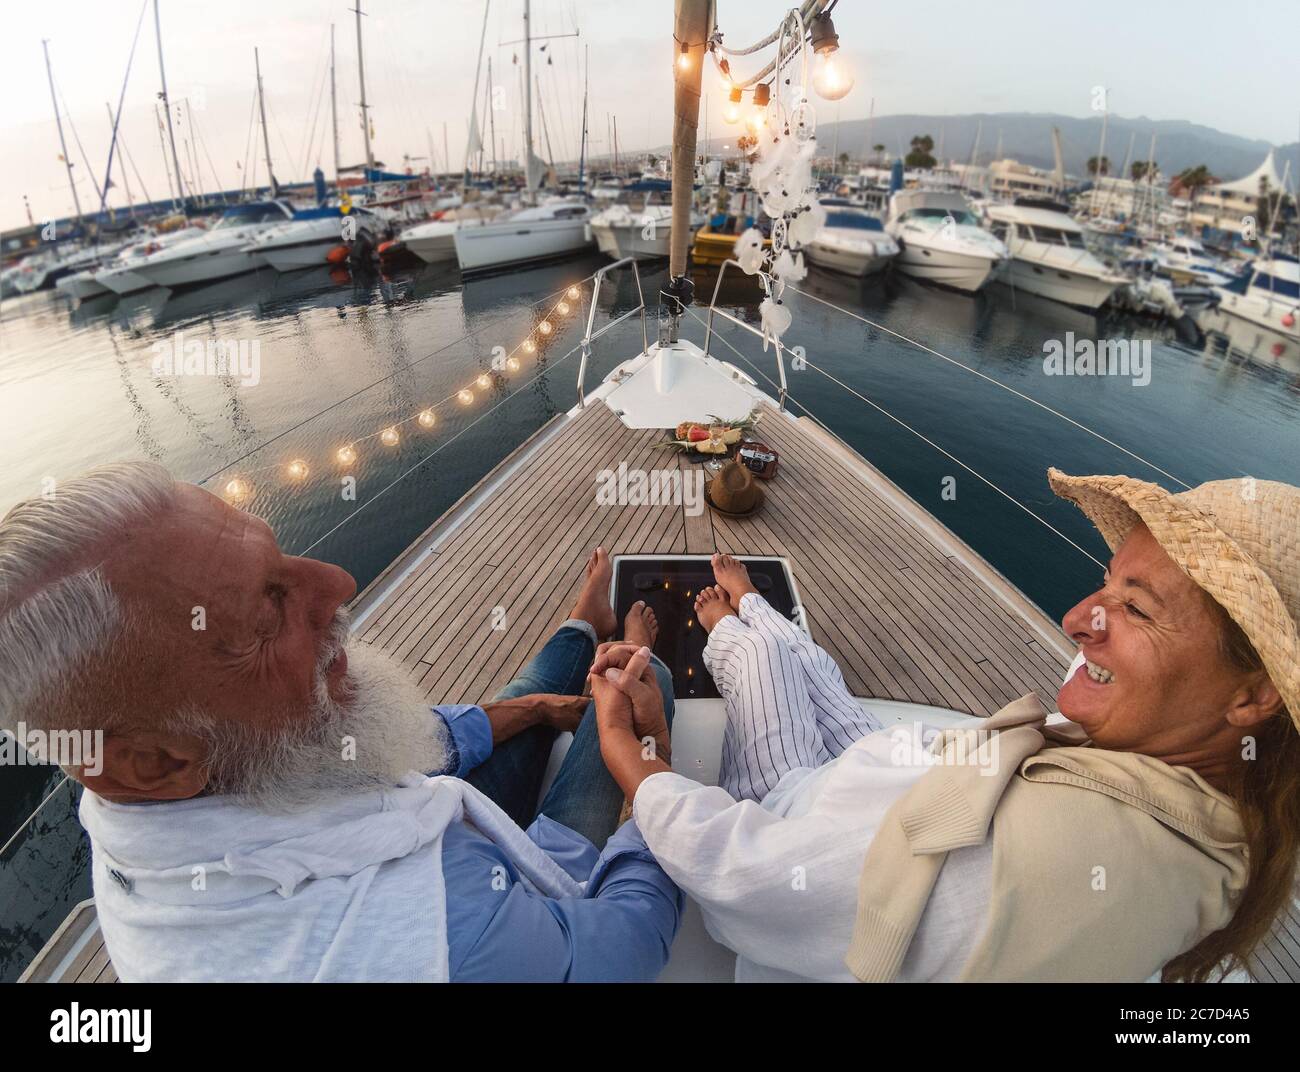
(621, 929)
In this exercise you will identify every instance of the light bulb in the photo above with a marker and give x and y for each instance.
(298, 469)
(757, 119)
(484, 381)
(426, 418)
(733, 112)
(563, 307)
(389, 436)
(544, 327)
(237, 489)
(572, 292)
(832, 75)
(684, 59)
(530, 347)
(346, 455)
(512, 363)
(465, 397)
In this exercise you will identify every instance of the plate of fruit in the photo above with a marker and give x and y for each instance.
(715, 436)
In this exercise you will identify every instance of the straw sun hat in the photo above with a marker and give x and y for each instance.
(1238, 539)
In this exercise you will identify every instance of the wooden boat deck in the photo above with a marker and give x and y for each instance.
(906, 609)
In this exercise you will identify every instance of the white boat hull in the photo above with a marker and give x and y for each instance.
(962, 271)
(848, 262)
(1262, 312)
(503, 243)
(305, 255)
(203, 267)
(633, 239)
(81, 286)
(434, 248)
(122, 280)
(1060, 284)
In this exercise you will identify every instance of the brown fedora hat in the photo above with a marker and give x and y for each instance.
(734, 491)
(1238, 539)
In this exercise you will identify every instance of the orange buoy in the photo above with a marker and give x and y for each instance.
(337, 255)
(390, 247)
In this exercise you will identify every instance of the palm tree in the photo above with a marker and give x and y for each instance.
(1141, 169)
(1193, 178)
(1096, 166)
(920, 156)
(879, 150)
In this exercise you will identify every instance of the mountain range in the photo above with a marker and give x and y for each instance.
(1027, 137)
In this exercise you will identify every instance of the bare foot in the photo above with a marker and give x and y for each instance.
(711, 607)
(731, 573)
(593, 601)
(640, 626)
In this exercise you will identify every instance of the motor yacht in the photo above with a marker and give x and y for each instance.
(1049, 257)
(941, 241)
(218, 253)
(851, 241)
(554, 228)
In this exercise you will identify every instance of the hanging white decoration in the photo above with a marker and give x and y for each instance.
(781, 175)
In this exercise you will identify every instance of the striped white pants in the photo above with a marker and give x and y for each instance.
(787, 703)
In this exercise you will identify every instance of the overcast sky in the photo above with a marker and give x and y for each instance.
(1231, 67)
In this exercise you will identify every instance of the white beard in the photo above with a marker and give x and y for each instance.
(379, 731)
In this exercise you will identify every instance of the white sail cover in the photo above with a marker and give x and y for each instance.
(475, 143)
(536, 169)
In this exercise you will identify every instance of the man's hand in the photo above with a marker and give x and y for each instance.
(512, 716)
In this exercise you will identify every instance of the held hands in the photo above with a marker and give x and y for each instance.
(627, 693)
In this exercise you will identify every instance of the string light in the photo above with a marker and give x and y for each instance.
(684, 58)
(239, 488)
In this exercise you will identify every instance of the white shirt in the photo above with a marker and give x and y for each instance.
(777, 882)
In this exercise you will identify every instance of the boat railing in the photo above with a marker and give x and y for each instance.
(591, 335)
(715, 311)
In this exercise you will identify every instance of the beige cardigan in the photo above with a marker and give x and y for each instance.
(1106, 865)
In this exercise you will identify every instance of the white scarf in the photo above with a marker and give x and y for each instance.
(349, 890)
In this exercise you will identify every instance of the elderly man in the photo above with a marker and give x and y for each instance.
(1158, 833)
(255, 813)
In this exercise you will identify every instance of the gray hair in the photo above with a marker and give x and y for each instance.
(58, 616)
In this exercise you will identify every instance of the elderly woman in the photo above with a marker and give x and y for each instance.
(1155, 831)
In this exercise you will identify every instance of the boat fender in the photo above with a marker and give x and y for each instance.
(337, 255)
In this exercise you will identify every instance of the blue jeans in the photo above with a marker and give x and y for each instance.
(584, 797)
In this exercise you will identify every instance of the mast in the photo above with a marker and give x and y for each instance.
(167, 108)
(266, 137)
(446, 153)
(58, 122)
(546, 133)
(528, 104)
(582, 145)
(492, 123)
(126, 179)
(691, 27)
(361, 74)
(334, 109)
(616, 150)
(162, 144)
